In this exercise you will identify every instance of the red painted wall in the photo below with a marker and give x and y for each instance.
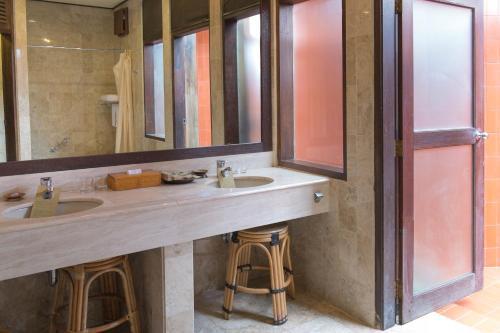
(318, 82)
(203, 78)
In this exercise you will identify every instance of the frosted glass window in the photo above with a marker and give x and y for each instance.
(443, 216)
(318, 82)
(443, 72)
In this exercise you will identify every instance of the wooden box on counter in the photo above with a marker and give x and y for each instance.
(123, 181)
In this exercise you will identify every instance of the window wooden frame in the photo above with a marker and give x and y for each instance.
(149, 94)
(286, 127)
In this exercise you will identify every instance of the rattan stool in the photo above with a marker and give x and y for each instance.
(80, 278)
(275, 243)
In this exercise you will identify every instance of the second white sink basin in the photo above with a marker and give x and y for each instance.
(247, 181)
(63, 208)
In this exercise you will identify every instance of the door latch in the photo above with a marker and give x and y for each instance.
(479, 135)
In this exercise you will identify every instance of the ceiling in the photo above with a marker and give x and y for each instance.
(93, 3)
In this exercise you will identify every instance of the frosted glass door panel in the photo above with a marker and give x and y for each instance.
(443, 216)
(443, 74)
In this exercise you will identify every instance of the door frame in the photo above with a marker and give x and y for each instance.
(385, 89)
(387, 67)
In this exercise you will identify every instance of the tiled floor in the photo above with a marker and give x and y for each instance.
(481, 310)
(305, 315)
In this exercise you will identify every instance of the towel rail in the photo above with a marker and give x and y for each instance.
(73, 48)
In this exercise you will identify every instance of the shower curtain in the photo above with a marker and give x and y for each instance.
(125, 121)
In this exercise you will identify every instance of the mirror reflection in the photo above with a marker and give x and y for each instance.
(242, 71)
(193, 117)
(112, 78)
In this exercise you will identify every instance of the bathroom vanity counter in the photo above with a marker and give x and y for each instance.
(143, 219)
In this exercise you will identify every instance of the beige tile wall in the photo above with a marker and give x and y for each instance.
(335, 253)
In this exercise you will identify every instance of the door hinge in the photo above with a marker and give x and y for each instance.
(398, 7)
(399, 148)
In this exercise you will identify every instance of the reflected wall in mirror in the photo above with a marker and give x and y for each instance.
(185, 76)
(76, 65)
(67, 79)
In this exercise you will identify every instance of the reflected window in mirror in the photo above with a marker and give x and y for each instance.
(242, 72)
(312, 91)
(192, 109)
(154, 87)
(154, 101)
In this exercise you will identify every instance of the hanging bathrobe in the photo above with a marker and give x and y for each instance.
(125, 121)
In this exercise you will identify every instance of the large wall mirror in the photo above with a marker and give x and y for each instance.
(108, 82)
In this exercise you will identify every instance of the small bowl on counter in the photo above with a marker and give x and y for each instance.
(202, 173)
(177, 177)
(14, 196)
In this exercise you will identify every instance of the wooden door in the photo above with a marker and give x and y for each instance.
(441, 164)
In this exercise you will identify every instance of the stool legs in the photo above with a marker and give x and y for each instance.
(278, 290)
(80, 295)
(76, 310)
(57, 301)
(231, 272)
(287, 261)
(244, 262)
(109, 286)
(128, 288)
(239, 255)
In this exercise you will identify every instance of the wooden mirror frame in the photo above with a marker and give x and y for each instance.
(95, 161)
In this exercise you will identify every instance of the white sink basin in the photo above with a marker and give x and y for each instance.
(249, 181)
(63, 208)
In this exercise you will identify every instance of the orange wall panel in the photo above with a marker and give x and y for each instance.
(203, 78)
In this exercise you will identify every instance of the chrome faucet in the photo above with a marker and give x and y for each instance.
(226, 172)
(48, 187)
(222, 169)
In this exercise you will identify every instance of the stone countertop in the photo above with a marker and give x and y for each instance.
(147, 199)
